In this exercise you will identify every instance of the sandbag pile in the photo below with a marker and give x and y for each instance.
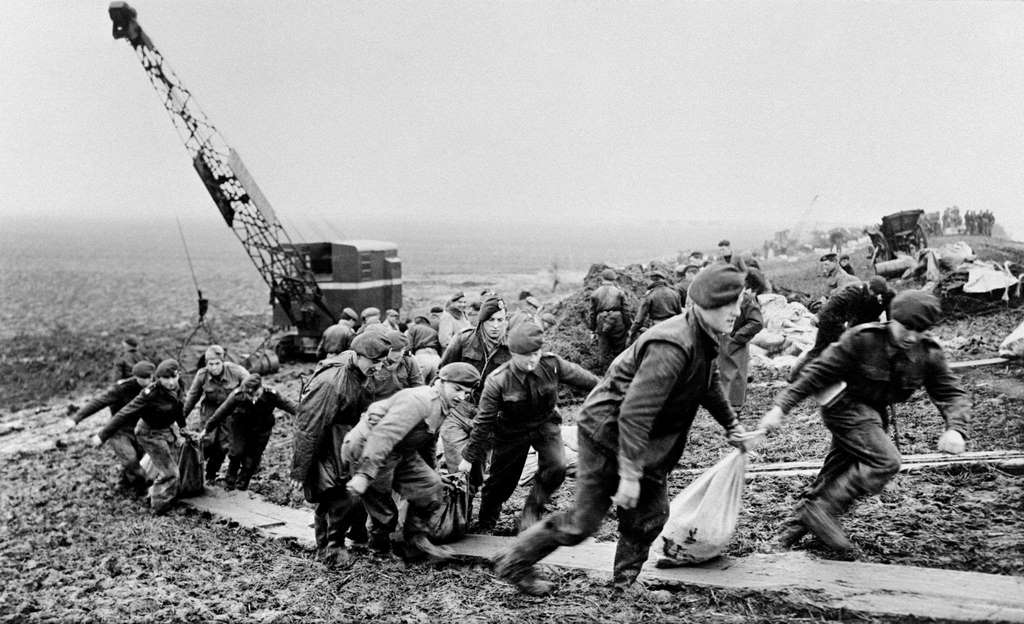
(789, 330)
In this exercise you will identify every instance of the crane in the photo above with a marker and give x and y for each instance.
(293, 272)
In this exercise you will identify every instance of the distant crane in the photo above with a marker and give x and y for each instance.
(293, 272)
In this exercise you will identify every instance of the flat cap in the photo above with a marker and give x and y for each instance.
(397, 339)
(716, 286)
(371, 311)
(462, 373)
(350, 314)
(724, 243)
(916, 309)
(827, 257)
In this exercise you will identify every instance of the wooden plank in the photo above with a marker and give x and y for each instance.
(977, 363)
(871, 588)
(1010, 461)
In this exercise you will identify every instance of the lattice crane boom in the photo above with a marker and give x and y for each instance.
(239, 200)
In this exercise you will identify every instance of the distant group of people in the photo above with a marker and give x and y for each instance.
(469, 388)
(979, 222)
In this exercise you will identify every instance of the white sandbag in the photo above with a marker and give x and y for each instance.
(953, 255)
(983, 279)
(784, 362)
(1013, 345)
(769, 340)
(702, 518)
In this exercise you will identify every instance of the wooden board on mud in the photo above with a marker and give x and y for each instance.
(862, 587)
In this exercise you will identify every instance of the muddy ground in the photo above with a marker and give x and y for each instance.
(75, 548)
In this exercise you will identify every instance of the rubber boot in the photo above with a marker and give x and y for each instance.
(231, 478)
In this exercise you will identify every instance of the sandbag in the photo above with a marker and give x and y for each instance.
(702, 518)
(770, 341)
(190, 468)
(1013, 345)
(450, 521)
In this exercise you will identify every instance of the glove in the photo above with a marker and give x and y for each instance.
(772, 420)
(95, 441)
(952, 442)
(357, 485)
(465, 466)
(627, 494)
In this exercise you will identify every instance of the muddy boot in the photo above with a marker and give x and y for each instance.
(525, 579)
(819, 521)
(334, 557)
(242, 485)
(792, 531)
(530, 516)
(432, 550)
(380, 543)
(231, 478)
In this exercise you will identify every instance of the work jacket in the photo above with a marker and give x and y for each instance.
(850, 306)
(157, 406)
(406, 421)
(608, 298)
(115, 397)
(514, 403)
(249, 415)
(468, 346)
(213, 389)
(839, 279)
(405, 373)
(642, 409)
(330, 405)
(452, 322)
(661, 302)
(879, 373)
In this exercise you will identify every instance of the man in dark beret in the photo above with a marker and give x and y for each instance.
(330, 404)
(871, 367)
(122, 442)
(632, 431)
(517, 411)
(609, 318)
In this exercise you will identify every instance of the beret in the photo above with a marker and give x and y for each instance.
(916, 310)
(167, 368)
(724, 243)
(144, 368)
(461, 373)
(371, 344)
(525, 337)
(489, 307)
(716, 286)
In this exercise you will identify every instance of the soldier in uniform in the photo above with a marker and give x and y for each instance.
(331, 404)
(609, 318)
(733, 349)
(880, 364)
(835, 277)
(399, 371)
(251, 407)
(660, 302)
(851, 306)
(129, 357)
(386, 453)
(122, 442)
(158, 412)
(338, 337)
(453, 320)
(485, 348)
(517, 411)
(212, 384)
(632, 431)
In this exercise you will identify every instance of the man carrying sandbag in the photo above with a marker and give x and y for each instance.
(880, 364)
(517, 411)
(385, 452)
(632, 431)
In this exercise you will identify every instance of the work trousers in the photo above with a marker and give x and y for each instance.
(216, 443)
(128, 451)
(336, 512)
(159, 445)
(245, 454)
(611, 336)
(597, 479)
(407, 474)
(455, 432)
(506, 468)
(861, 460)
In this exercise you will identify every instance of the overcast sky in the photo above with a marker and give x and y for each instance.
(496, 111)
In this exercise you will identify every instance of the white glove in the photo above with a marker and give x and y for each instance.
(465, 466)
(952, 442)
(357, 485)
(772, 420)
(627, 494)
(296, 484)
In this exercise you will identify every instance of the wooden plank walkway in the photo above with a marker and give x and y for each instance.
(1009, 461)
(862, 587)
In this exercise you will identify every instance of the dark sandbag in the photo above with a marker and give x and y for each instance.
(450, 521)
(190, 468)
